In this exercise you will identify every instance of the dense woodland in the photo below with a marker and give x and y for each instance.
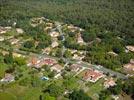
(98, 15)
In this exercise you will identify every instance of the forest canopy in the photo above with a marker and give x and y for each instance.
(112, 15)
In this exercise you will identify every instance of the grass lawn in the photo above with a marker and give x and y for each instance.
(81, 74)
(7, 96)
(23, 93)
(32, 94)
(3, 67)
(95, 89)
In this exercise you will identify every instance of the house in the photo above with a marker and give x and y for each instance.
(80, 39)
(130, 48)
(129, 66)
(19, 30)
(49, 24)
(55, 44)
(8, 78)
(112, 53)
(54, 34)
(47, 28)
(14, 41)
(109, 83)
(36, 21)
(47, 50)
(72, 51)
(49, 61)
(39, 62)
(77, 57)
(1, 39)
(4, 29)
(57, 68)
(92, 75)
(33, 62)
(75, 67)
(17, 55)
(72, 28)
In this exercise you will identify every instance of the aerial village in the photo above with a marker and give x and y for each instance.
(56, 62)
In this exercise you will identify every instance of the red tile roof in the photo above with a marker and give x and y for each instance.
(92, 75)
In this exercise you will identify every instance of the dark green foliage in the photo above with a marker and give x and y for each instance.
(41, 45)
(29, 44)
(58, 52)
(79, 95)
(51, 74)
(67, 54)
(55, 90)
(8, 58)
(88, 37)
(113, 15)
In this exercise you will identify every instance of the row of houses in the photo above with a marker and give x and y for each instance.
(4, 29)
(38, 63)
(91, 75)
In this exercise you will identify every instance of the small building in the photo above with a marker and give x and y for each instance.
(1, 39)
(78, 57)
(17, 55)
(92, 75)
(72, 28)
(47, 50)
(47, 28)
(112, 53)
(14, 41)
(109, 83)
(130, 48)
(80, 39)
(19, 30)
(4, 29)
(49, 24)
(75, 67)
(8, 78)
(55, 44)
(54, 34)
(129, 66)
(49, 61)
(57, 68)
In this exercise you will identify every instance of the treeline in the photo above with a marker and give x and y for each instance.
(114, 15)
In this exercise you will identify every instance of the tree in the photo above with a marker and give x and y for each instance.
(67, 54)
(79, 95)
(46, 96)
(41, 45)
(104, 94)
(118, 49)
(88, 37)
(51, 74)
(29, 44)
(55, 90)
(70, 83)
(8, 58)
(71, 34)
(20, 61)
(58, 52)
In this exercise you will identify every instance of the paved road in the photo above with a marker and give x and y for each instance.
(61, 33)
(84, 64)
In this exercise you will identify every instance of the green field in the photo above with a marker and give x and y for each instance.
(95, 89)
(7, 96)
